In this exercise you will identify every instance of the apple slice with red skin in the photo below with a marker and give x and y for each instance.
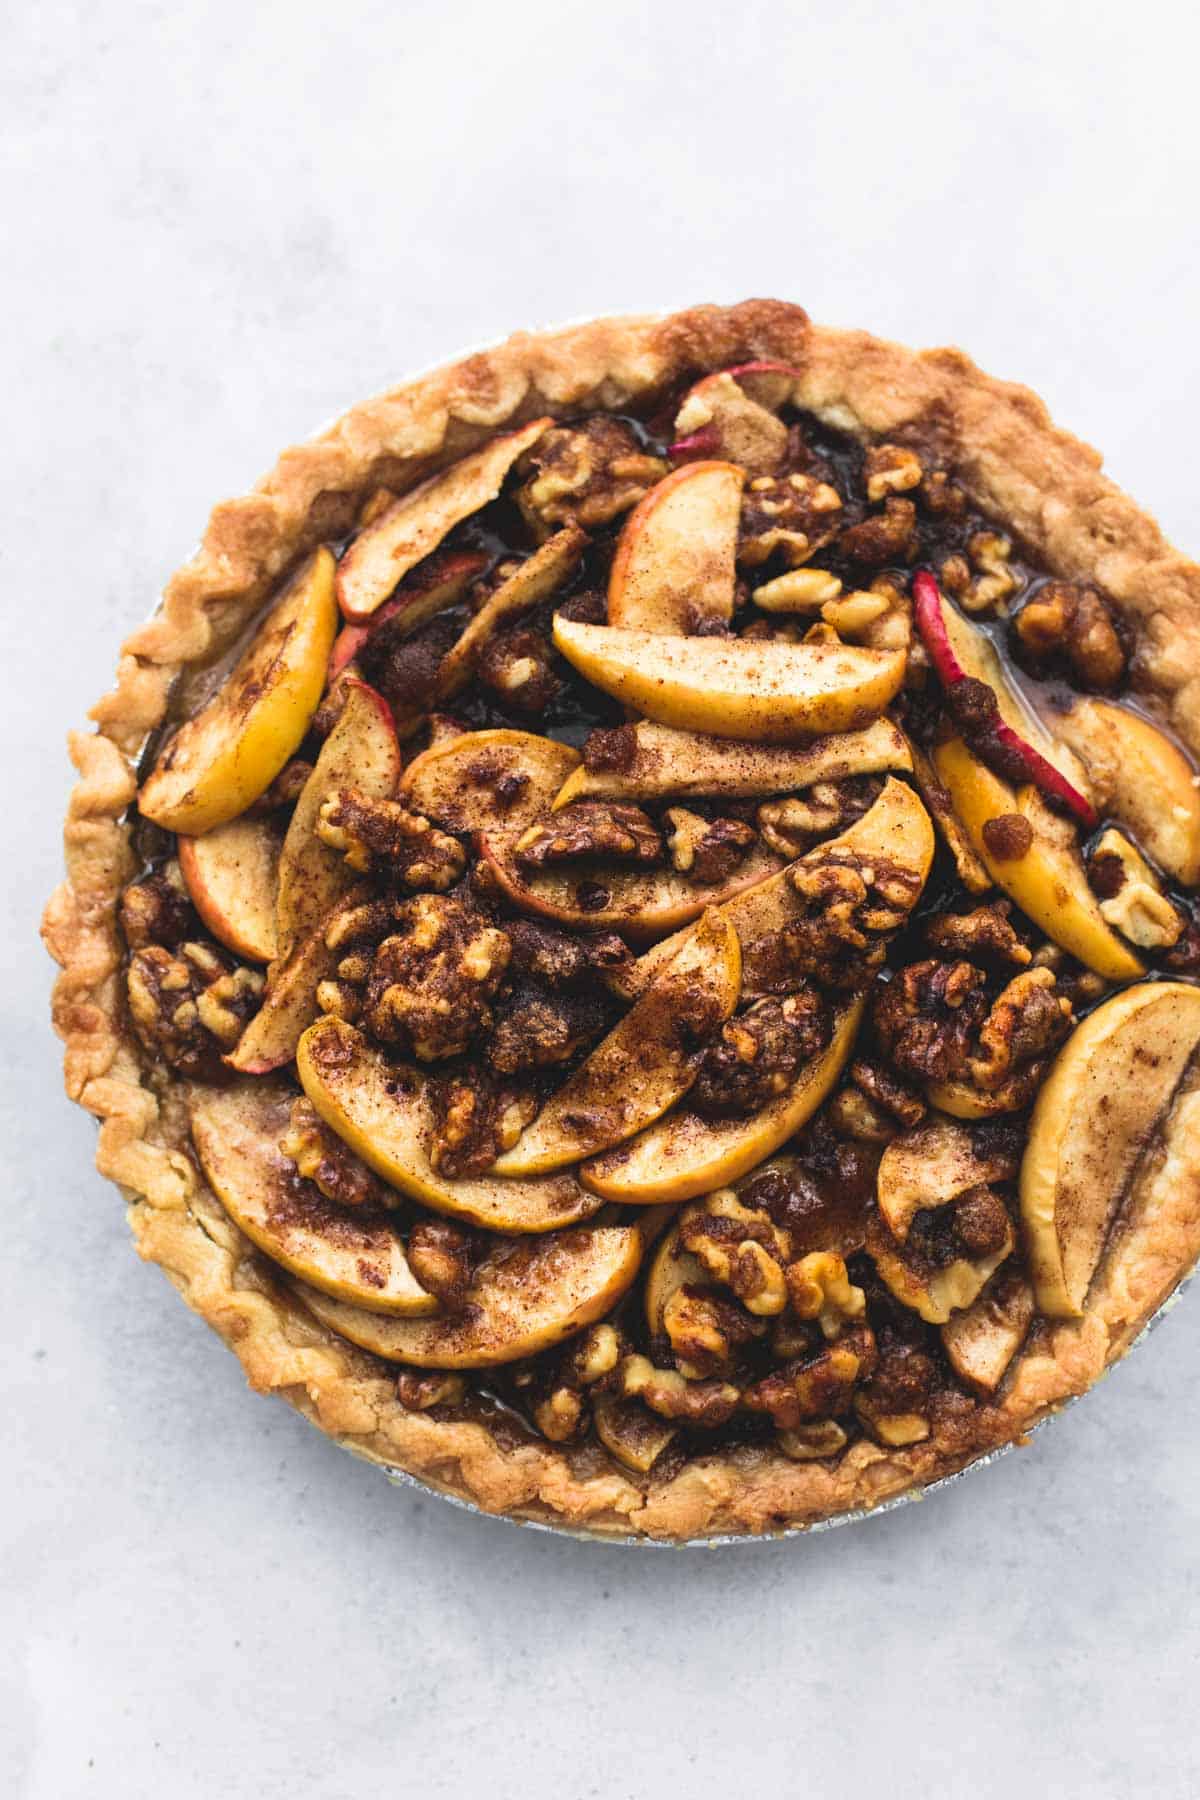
(270, 1039)
(960, 651)
(383, 1109)
(348, 1253)
(641, 903)
(733, 414)
(232, 875)
(434, 587)
(523, 1298)
(675, 566)
(645, 1064)
(360, 752)
(1142, 779)
(412, 526)
(683, 765)
(482, 779)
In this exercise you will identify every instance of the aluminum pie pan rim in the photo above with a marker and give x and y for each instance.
(401, 1477)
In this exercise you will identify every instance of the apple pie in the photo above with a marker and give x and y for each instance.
(631, 927)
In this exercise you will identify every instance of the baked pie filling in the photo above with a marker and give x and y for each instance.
(673, 938)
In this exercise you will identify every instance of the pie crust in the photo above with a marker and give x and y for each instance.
(1015, 464)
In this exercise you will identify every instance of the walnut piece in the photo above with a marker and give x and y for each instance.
(709, 850)
(792, 515)
(421, 1389)
(1027, 1019)
(704, 1329)
(442, 1256)
(883, 538)
(590, 828)
(559, 959)
(819, 1386)
(536, 1029)
(1131, 895)
(849, 910)
(432, 981)
(926, 1017)
(382, 837)
(891, 469)
(984, 580)
(189, 1005)
(518, 665)
(819, 1288)
(985, 932)
(706, 1403)
(757, 1054)
(585, 475)
(1063, 623)
(743, 1249)
(320, 1156)
(790, 826)
(475, 1121)
(158, 910)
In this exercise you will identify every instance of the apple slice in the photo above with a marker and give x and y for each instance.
(733, 414)
(433, 587)
(536, 579)
(929, 1167)
(232, 874)
(523, 1299)
(684, 1155)
(895, 828)
(237, 1131)
(960, 650)
(382, 1110)
(734, 687)
(270, 1039)
(671, 1268)
(1111, 1085)
(981, 1342)
(362, 752)
(645, 1064)
(230, 752)
(669, 764)
(1142, 779)
(638, 901)
(1048, 882)
(675, 568)
(412, 526)
(934, 1293)
(481, 779)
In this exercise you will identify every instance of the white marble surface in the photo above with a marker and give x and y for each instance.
(221, 223)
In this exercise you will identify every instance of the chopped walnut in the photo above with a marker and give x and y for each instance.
(891, 469)
(941, 496)
(812, 1443)
(560, 959)
(704, 1329)
(985, 932)
(709, 850)
(474, 1121)
(849, 909)
(984, 580)
(885, 1091)
(561, 1414)
(739, 1247)
(757, 1054)
(431, 983)
(593, 1355)
(926, 1017)
(190, 1005)
(442, 1256)
(665, 1391)
(590, 828)
(819, 1386)
(790, 826)
(383, 837)
(819, 1288)
(1029, 1018)
(320, 1156)
(1131, 895)
(794, 515)
(538, 1030)
(882, 538)
(518, 665)
(421, 1389)
(1067, 624)
(158, 910)
(585, 475)
(853, 1114)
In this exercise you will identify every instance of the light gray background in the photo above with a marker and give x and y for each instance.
(221, 224)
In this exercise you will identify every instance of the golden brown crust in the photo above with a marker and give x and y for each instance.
(1014, 463)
